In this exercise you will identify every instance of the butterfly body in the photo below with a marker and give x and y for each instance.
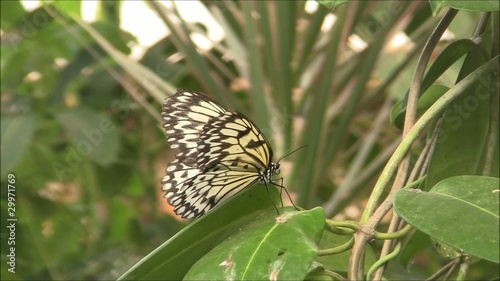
(220, 153)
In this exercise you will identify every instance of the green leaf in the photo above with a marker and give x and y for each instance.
(73, 8)
(477, 6)
(332, 4)
(450, 55)
(151, 82)
(270, 247)
(121, 214)
(460, 211)
(11, 12)
(173, 258)
(17, 132)
(465, 126)
(317, 272)
(93, 135)
(427, 99)
(416, 244)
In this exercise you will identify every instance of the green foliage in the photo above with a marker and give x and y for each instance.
(450, 55)
(282, 247)
(478, 6)
(460, 211)
(173, 258)
(83, 152)
(17, 132)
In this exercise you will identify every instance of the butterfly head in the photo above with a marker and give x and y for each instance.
(274, 168)
(266, 174)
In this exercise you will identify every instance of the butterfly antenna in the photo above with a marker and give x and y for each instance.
(289, 153)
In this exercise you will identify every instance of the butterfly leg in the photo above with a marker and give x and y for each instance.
(282, 187)
(268, 194)
(281, 192)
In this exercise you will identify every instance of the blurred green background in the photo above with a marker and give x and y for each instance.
(81, 100)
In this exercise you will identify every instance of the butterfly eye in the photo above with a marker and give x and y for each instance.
(276, 168)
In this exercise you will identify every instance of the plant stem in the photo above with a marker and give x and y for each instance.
(367, 230)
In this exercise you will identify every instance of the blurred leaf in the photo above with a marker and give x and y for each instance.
(116, 37)
(5, 273)
(450, 55)
(121, 215)
(119, 179)
(464, 128)
(20, 51)
(17, 132)
(102, 92)
(317, 85)
(154, 58)
(478, 6)
(54, 230)
(93, 135)
(460, 211)
(73, 8)
(71, 72)
(417, 243)
(10, 13)
(269, 247)
(427, 99)
(37, 168)
(86, 59)
(420, 19)
(173, 258)
(110, 11)
(155, 86)
(332, 4)
(197, 64)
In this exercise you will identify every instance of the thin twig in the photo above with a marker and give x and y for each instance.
(447, 268)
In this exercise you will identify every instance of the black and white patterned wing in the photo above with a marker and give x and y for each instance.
(220, 154)
(184, 116)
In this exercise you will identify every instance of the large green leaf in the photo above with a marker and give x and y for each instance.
(270, 247)
(93, 135)
(450, 55)
(16, 134)
(433, 93)
(465, 126)
(173, 258)
(460, 211)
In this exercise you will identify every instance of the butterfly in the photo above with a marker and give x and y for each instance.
(220, 153)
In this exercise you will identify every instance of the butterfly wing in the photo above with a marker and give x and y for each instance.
(220, 153)
(193, 196)
(184, 116)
